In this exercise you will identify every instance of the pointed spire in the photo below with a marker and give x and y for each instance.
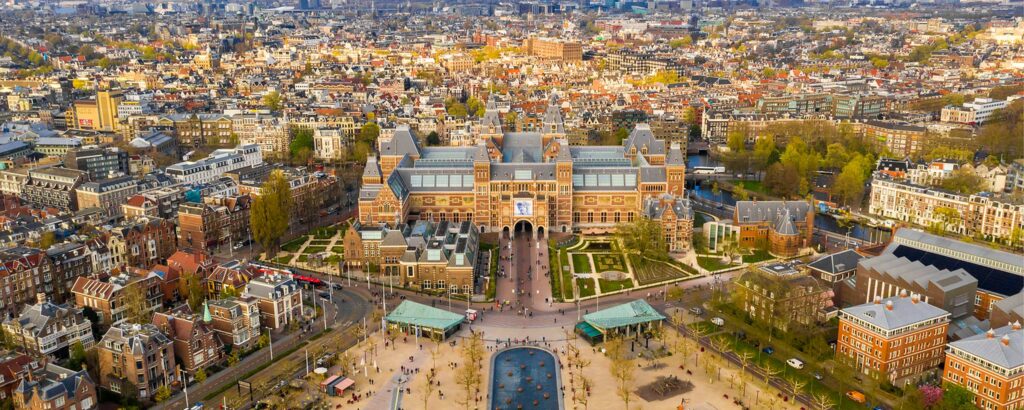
(207, 318)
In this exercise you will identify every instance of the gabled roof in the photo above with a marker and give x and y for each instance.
(402, 142)
(903, 312)
(837, 262)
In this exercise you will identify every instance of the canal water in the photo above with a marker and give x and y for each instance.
(823, 221)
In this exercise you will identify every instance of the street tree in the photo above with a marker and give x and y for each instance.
(642, 236)
(270, 211)
(272, 100)
(622, 368)
(135, 303)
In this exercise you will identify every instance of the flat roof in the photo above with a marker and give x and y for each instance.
(416, 314)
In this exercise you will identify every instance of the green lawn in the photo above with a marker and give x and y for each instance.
(759, 255)
(301, 258)
(586, 287)
(604, 262)
(313, 249)
(333, 259)
(338, 249)
(556, 277)
(492, 285)
(581, 263)
(325, 232)
(650, 271)
(294, 244)
(752, 186)
(566, 273)
(614, 285)
(283, 260)
(712, 263)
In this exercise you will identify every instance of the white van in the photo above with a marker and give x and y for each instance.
(718, 321)
(795, 363)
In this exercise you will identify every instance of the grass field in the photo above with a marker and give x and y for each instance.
(654, 271)
(338, 249)
(604, 262)
(758, 256)
(585, 287)
(313, 249)
(712, 263)
(556, 277)
(752, 186)
(294, 244)
(581, 263)
(614, 285)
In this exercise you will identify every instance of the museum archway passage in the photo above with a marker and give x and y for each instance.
(523, 228)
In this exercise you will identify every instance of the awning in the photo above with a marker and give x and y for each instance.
(344, 384)
(588, 330)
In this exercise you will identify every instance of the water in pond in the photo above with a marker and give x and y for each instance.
(525, 378)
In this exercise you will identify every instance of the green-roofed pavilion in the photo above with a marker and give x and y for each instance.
(411, 317)
(629, 318)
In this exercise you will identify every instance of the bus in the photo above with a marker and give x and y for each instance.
(708, 170)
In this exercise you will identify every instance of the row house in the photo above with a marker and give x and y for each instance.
(142, 242)
(52, 387)
(53, 187)
(220, 220)
(196, 345)
(984, 215)
(14, 367)
(236, 320)
(48, 329)
(24, 272)
(70, 261)
(230, 276)
(162, 202)
(134, 357)
(109, 299)
(107, 195)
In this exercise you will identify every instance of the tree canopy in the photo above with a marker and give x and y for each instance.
(269, 215)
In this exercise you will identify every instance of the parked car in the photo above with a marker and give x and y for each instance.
(818, 376)
(696, 311)
(717, 321)
(795, 363)
(336, 286)
(856, 396)
(768, 350)
(325, 295)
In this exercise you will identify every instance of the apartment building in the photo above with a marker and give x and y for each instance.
(217, 163)
(900, 338)
(974, 113)
(53, 187)
(279, 299)
(49, 329)
(991, 366)
(96, 114)
(331, 144)
(270, 133)
(899, 138)
(236, 321)
(195, 130)
(107, 195)
(142, 242)
(564, 50)
(229, 276)
(99, 163)
(136, 357)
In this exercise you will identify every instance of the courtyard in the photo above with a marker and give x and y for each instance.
(594, 266)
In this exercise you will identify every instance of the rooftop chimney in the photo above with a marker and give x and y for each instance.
(1015, 325)
(990, 334)
(878, 300)
(1005, 340)
(888, 305)
(903, 293)
(915, 298)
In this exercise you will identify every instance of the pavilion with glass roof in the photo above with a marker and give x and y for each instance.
(627, 319)
(422, 320)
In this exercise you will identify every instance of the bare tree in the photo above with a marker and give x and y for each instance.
(468, 376)
(622, 367)
(822, 401)
(579, 381)
(795, 385)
